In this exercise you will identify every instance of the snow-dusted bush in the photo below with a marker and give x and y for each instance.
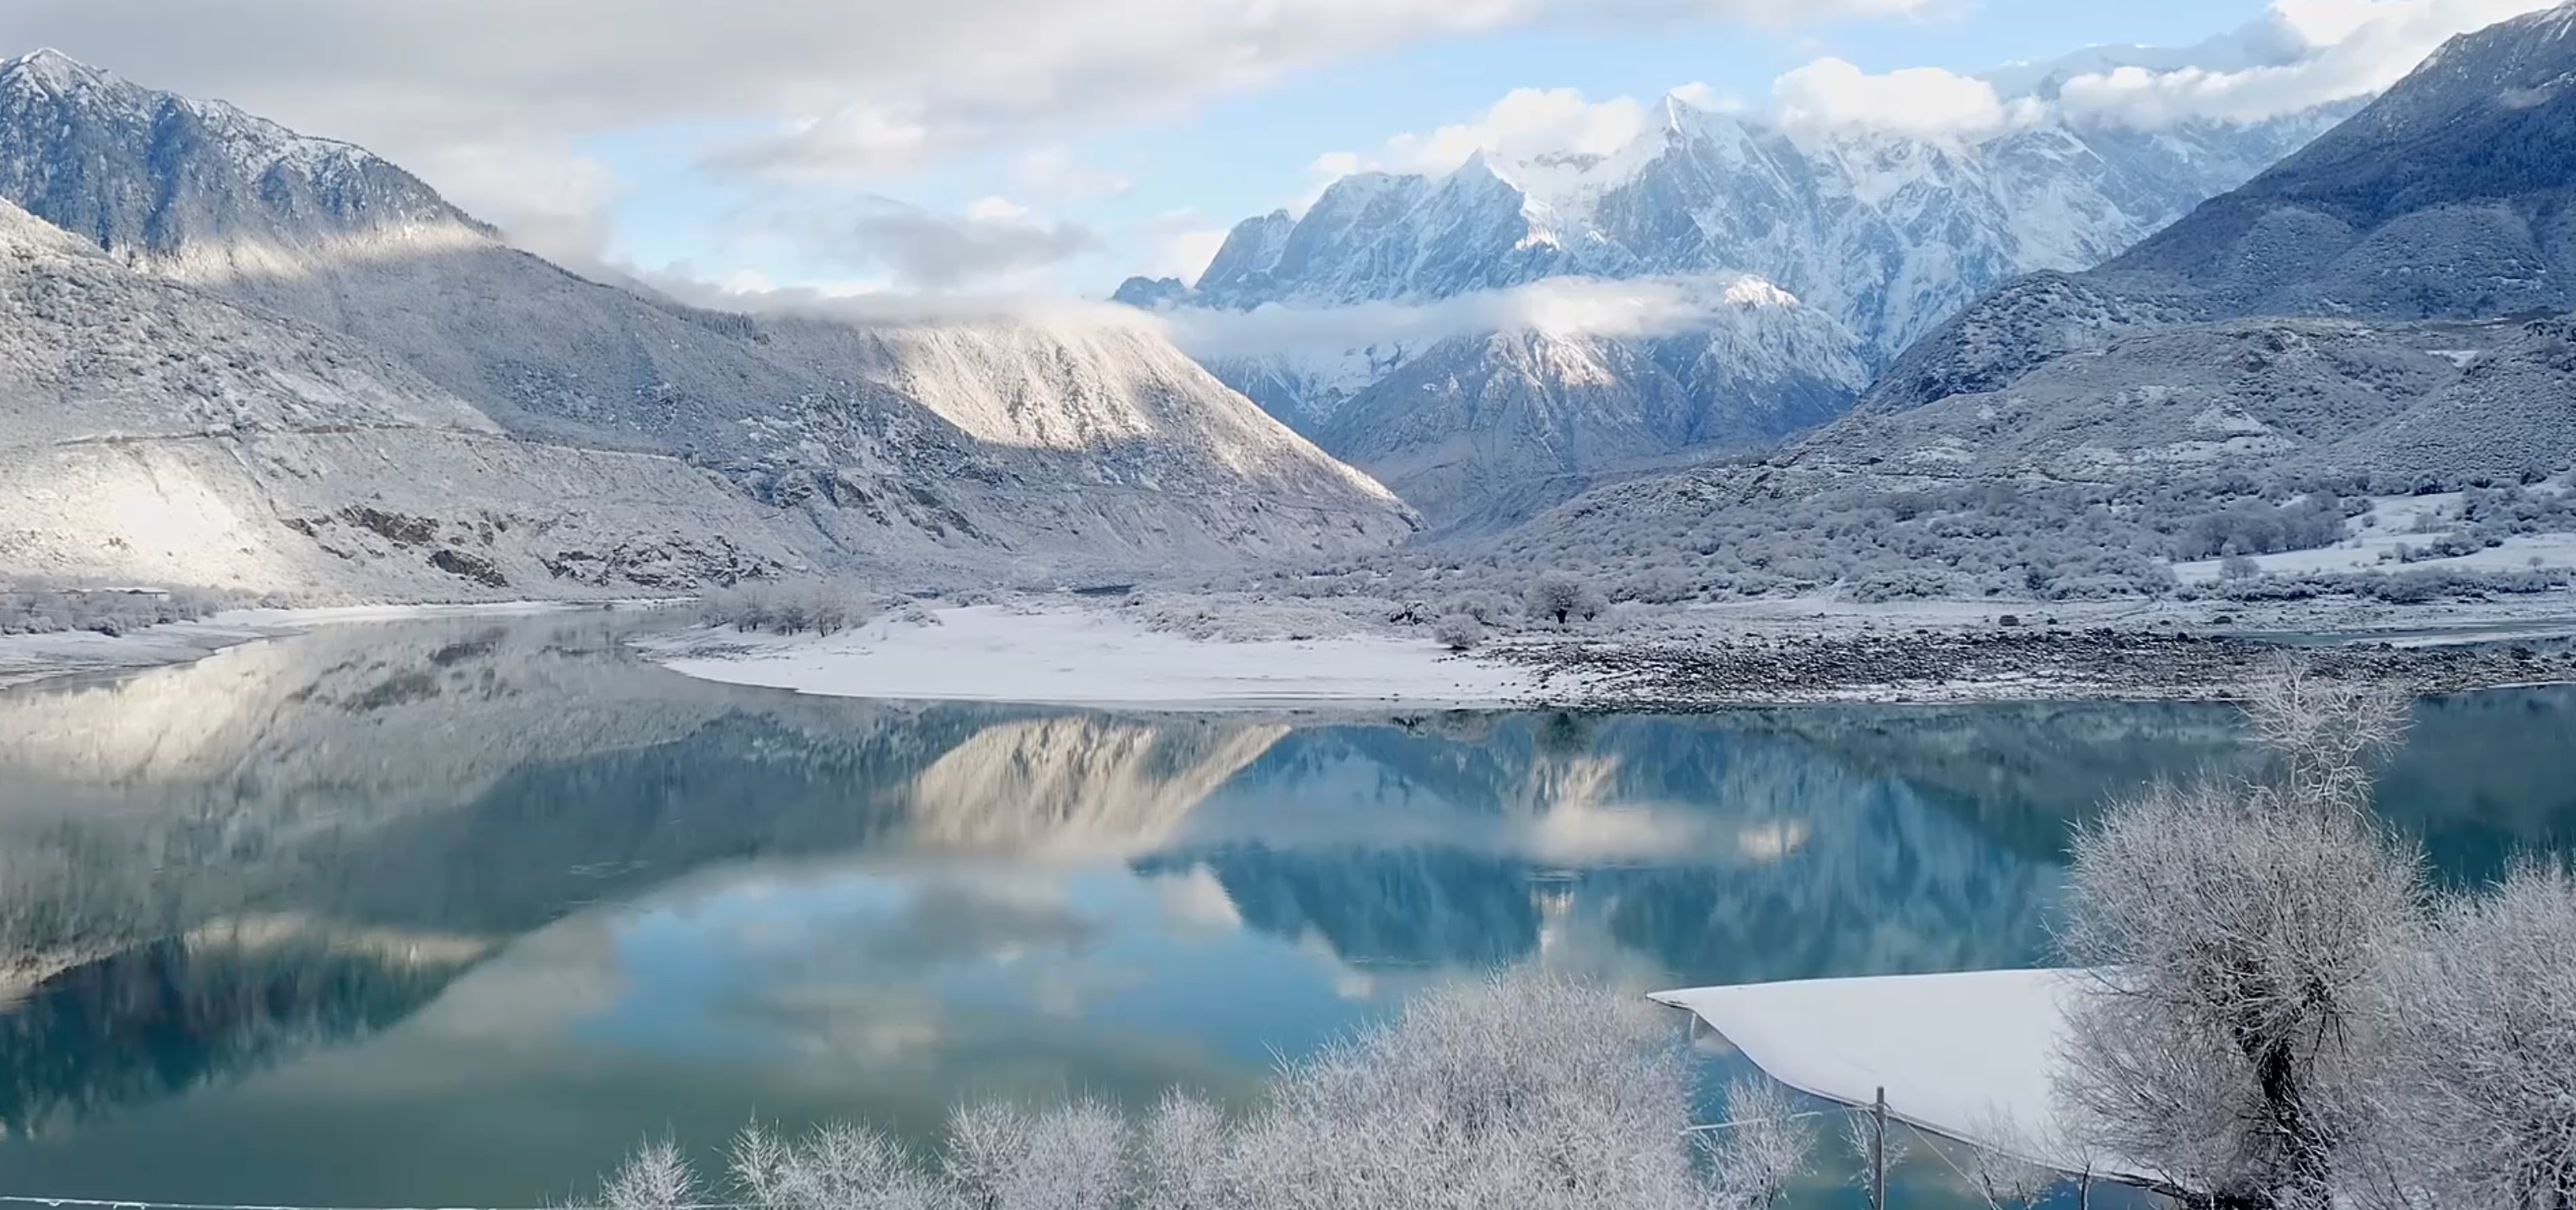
(2234, 930)
(1522, 1091)
(2257, 527)
(656, 1177)
(1561, 597)
(837, 1167)
(1071, 1158)
(2474, 1053)
(1488, 608)
(1766, 1144)
(821, 607)
(1555, 596)
(1458, 632)
(28, 608)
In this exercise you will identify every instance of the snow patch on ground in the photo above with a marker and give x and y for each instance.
(1073, 656)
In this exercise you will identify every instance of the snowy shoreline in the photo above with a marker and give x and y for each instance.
(1188, 653)
(1232, 654)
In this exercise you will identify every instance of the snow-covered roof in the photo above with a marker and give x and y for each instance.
(1965, 1056)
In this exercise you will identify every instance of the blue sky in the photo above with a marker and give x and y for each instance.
(1237, 155)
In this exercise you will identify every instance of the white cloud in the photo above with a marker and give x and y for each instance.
(996, 244)
(995, 210)
(844, 86)
(1832, 94)
(1053, 172)
(1180, 244)
(1565, 307)
(2338, 50)
(1526, 122)
(856, 141)
(549, 200)
(1335, 163)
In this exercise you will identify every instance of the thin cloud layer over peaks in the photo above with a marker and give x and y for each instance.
(994, 242)
(2343, 50)
(1564, 307)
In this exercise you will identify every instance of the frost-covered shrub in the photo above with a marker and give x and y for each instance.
(821, 607)
(2475, 1047)
(2233, 931)
(2255, 527)
(1458, 632)
(1488, 608)
(32, 608)
(1521, 1091)
(1558, 597)
(2400, 588)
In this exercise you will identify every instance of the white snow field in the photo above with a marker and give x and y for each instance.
(1072, 656)
(1963, 1056)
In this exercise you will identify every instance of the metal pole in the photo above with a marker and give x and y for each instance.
(1878, 1152)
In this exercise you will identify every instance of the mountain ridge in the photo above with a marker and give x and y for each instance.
(874, 459)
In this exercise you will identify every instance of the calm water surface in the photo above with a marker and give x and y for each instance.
(456, 913)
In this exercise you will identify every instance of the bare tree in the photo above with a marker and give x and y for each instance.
(2231, 930)
(1766, 1143)
(1561, 596)
(1184, 1163)
(656, 1177)
(2325, 734)
(2476, 1054)
(2001, 1181)
(1071, 1158)
(837, 1167)
(1861, 1133)
(1522, 1091)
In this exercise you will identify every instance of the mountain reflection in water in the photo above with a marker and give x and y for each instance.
(455, 913)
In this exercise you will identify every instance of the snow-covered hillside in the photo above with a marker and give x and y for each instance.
(1043, 444)
(149, 431)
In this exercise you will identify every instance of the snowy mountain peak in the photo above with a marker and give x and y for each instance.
(140, 171)
(51, 70)
(1887, 232)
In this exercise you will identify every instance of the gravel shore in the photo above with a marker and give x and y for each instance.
(1950, 665)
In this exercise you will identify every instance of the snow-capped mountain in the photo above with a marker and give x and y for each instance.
(1879, 233)
(1887, 232)
(1069, 443)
